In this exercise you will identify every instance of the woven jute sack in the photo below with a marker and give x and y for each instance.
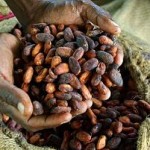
(137, 60)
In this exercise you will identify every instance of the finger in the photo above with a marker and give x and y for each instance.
(82, 109)
(44, 122)
(101, 18)
(14, 96)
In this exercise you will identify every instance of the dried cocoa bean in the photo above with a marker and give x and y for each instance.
(41, 75)
(50, 88)
(43, 37)
(62, 95)
(61, 69)
(101, 142)
(28, 75)
(101, 68)
(90, 54)
(90, 64)
(60, 109)
(115, 77)
(77, 124)
(105, 40)
(53, 29)
(82, 42)
(114, 142)
(95, 79)
(83, 136)
(84, 77)
(65, 88)
(64, 51)
(56, 60)
(75, 144)
(74, 66)
(78, 53)
(97, 103)
(37, 49)
(117, 127)
(135, 118)
(85, 92)
(68, 34)
(91, 43)
(39, 59)
(96, 128)
(105, 57)
(124, 119)
(90, 146)
(76, 96)
(71, 45)
(37, 108)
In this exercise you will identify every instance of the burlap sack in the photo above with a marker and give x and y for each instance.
(133, 17)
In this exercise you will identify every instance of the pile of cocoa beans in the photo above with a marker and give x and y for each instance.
(62, 65)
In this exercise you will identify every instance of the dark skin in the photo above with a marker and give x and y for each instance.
(13, 101)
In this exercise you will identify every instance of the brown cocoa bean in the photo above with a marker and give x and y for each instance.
(82, 42)
(85, 92)
(144, 105)
(83, 136)
(92, 116)
(105, 57)
(25, 87)
(65, 142)
(115, 77)
(28, 75)
(90, 64)
(107, 81)
(48, 79)
(135, 118)
(47, 46)
(62, 95)
(35, 138)
(39, 25)
(68, 34)
(51, 74)
(78, 53)
(37, 108)
(42, 74)
(91, 43)
(117, 127)
(60, 35)
(60, 43)
(35, 91)
(124, 119)
(113, 143)
(94, 33)
(84, 77)
(130, 103)
(90, 54)
(48, 97)
(53, 29)
(109, 133)
(74, 66)
(101, 68)
(56, 60)
(82, 61)
(50, 88)
(96, 78)
(62, 103)
(76, 96)
(43, 37)
(47, 29)
(75, 144)
(105, 40)
(64, 51)
(61, 69)
(59, 110)
(65, 88)
(39, 59)
(37, 49)
(101, 142)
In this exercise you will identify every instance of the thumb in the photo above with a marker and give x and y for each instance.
(101, 18)
(13, 96)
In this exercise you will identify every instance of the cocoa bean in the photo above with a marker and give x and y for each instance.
(47, 46)
(101, 142)
(135, 118)
(115, 77)
(90, 146)
(117, 128)
(105, 57)
(83, 136)
(76, 96)
(84, 77)
(130, 103)
(65, 88)
(90, 64)
(105, 40)
(101, 68)
(78, 53)
(41, 75)
(68, 34)
(62, 95)
(64, 51)
(90, 54)
(97, 103)
(39, 59)
(62, 103)
(71, 45)
(95, 79)
(43, 37)
(60, 109)
(114, 142)
(82, 42)
(61, 69)
(96, 128)
(37, 108)
(74, 66)
(77, 124)
(56, 60)
(75, 144)
(50, 88)
(53, 29)
(28, 75)
(85, 92)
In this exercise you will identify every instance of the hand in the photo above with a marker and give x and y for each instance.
(15, 102)
(62, 12)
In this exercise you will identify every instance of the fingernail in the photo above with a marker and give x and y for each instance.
(21, 108)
